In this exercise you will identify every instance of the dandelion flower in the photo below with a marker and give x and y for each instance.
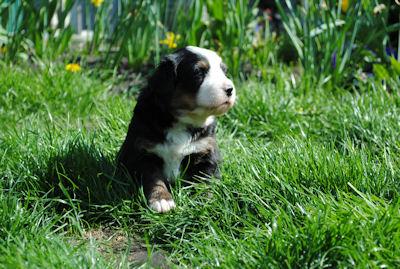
(345, 5)
(170, 40)
(379, 8)
(3, 49)
(97, 3)
(73, 67)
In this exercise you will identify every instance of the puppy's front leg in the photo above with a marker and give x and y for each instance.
(154, 183)
(157, 193)
(146, 170)
(202, 165)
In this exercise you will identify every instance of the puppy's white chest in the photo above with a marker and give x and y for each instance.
(178, 144)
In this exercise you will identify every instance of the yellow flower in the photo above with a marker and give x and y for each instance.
(3, 49)
(170, 40)
(97, 3)
(73, 68)
(345, 5)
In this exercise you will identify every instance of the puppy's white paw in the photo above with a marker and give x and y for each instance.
(162, 206)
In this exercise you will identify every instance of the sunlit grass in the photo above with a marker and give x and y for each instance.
(310, 178)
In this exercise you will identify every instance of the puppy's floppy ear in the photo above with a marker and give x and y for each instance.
(163, 81)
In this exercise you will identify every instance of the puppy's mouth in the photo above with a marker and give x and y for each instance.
(199, 115)
(221, 108)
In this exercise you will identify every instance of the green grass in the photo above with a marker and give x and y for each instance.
(310, 179)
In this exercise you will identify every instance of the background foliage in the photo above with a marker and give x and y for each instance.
(333, 41)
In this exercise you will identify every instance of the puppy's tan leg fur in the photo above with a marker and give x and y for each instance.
(160, 199)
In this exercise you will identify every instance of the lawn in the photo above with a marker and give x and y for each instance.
(310, 178)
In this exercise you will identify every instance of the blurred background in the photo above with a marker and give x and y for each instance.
(323, 41)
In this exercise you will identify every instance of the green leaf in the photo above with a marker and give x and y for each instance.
(216, 8)
(395, 65)
(381, 72)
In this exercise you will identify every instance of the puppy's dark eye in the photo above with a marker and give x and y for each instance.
(200, 73)
(202, 69)
(224, 68)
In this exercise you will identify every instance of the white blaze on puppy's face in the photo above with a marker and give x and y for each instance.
(217, 93)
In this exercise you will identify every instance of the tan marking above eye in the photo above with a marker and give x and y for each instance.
(203, 65)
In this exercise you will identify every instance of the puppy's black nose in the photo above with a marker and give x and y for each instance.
(229, 92)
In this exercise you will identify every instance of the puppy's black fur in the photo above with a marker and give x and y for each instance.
(171, 89)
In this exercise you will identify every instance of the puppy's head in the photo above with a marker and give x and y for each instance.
(194, 83)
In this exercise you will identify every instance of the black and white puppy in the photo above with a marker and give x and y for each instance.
(173, 126)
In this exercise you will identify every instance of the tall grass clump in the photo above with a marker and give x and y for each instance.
(140, 32)
(336, 39)
(225, 26)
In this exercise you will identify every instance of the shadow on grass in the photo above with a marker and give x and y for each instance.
(81, 176)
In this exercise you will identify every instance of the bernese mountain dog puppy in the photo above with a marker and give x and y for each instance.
(174, 121)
